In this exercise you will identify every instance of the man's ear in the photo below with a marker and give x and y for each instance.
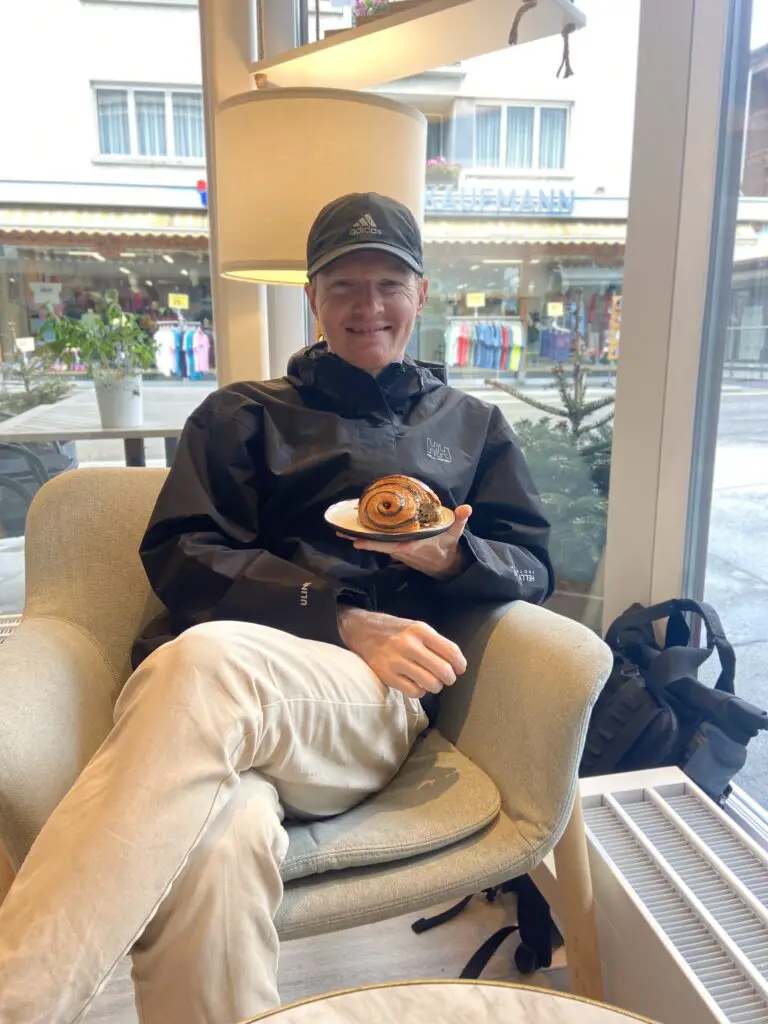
(309, 290)
(423, 292)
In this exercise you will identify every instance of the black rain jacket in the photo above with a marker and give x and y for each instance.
(238, 529)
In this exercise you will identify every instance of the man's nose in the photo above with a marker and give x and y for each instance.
(368, 297)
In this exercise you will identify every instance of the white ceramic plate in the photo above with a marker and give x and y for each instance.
(343, 517)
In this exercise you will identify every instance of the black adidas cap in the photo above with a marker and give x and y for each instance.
(360, 221)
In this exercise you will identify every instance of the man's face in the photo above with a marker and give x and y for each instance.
(367, 304)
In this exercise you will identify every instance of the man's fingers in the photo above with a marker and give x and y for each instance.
(421, 676)
(407, 686)
(438, 667)
(462, 513)
(442, 646)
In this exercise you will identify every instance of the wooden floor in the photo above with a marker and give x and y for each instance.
(371, 954)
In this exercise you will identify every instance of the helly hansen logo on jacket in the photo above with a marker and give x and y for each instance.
(439, 452)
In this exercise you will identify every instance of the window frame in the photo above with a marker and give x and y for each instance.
(134, 157)
(535, 170)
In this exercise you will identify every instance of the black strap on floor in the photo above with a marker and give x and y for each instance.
(479, 960)
(425, 923)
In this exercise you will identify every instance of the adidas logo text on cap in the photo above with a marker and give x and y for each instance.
(365, 226)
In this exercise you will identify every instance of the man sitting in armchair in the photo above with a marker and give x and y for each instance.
(294, 668)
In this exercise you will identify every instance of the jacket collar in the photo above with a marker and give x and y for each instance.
(316, 369)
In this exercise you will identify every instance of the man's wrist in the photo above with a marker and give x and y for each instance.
(454, 566)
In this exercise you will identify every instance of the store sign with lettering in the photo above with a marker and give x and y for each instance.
(475, 300)
(499, 201)
(177, 300)
(46, 292)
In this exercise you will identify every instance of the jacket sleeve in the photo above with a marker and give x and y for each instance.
(201, 549)
(506, 540)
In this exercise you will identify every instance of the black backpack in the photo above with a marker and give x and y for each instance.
(653, 711)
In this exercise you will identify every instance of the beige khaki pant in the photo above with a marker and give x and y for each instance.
(169, 845)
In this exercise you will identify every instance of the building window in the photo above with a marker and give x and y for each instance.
(487, 136)
(552, 135)
(114, 135)
(151, 134)
(152, 123)
(521, 138)
(435, 139)
(188, 124)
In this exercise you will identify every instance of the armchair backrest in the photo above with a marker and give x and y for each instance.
(82, 555)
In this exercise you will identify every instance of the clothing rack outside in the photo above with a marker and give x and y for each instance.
(503, 321)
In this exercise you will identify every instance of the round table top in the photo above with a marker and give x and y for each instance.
(447, 1002)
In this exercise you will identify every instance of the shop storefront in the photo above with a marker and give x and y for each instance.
(156, 262)
(519, 278)
(516, 279)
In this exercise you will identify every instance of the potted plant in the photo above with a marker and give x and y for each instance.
(114, 348)
(441, 172)
(365, 9)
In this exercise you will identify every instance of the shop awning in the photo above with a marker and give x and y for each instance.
(526, 232)
(543, 232)
(45, 224)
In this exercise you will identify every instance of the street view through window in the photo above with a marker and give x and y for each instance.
(103, 208)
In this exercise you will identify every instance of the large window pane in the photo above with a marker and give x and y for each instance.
(520, 137)
(150, 123)
(552, 138)
(736, 356)
(83, 234)
(434, 139)
(487, 136)
(114, 133)
(188, 132)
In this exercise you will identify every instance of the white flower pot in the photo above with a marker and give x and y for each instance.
(119, 399)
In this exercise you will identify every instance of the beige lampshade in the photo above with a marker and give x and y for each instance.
(282, 154)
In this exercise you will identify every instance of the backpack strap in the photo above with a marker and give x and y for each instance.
(677, 630)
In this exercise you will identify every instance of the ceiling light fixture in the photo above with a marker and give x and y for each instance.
(185, 272)
(124, 270)
(167, 258)
(504, 263)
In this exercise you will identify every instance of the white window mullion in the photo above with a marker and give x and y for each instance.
(535, 155)
(503, 137)
(170, 134)
(132, 132)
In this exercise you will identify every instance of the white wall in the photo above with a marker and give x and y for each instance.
(50, 54)
(55, 49)
(601, 91)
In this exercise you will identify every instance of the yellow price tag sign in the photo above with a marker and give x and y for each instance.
(555, 309)
(178, 300)
(475, 300)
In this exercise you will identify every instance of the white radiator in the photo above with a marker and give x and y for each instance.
(682, 901)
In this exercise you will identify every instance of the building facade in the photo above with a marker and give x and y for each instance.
(527, 181)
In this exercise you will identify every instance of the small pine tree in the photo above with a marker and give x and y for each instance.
(576, 411)
(569, 452)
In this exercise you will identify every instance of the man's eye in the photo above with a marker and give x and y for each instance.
(391, 285)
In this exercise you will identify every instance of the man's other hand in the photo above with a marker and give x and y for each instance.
(439, 557)
(408, 656)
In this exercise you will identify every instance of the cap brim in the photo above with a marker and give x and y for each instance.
(345, 250)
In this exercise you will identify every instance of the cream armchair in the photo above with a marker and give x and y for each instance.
(484, 799)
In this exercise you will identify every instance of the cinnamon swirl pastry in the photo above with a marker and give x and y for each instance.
(398, 504)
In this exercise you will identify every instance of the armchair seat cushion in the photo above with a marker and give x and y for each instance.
(438, 798)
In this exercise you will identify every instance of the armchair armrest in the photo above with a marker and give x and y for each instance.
(57, 692)
(522, 709)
